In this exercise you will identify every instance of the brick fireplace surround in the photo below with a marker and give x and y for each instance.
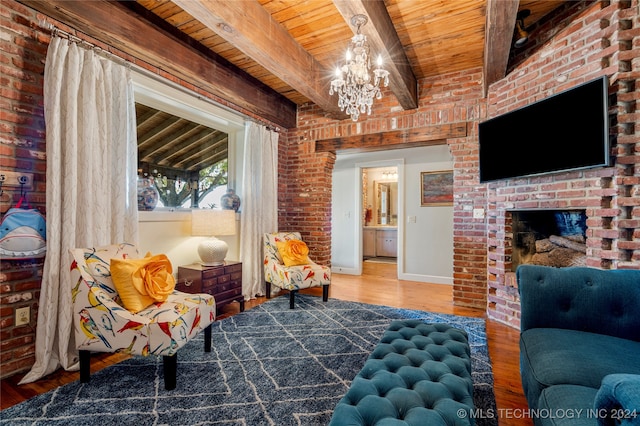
(600, 40)
(586, 40)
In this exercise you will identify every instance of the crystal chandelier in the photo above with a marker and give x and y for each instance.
(353, 82)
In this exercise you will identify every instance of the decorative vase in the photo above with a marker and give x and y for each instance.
(230, 200)
(147, 194)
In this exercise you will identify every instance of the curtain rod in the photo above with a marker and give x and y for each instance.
(57, 32)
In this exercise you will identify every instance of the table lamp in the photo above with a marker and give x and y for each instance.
(212, 223)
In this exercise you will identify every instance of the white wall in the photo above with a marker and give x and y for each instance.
(170, 233)
(425, 251)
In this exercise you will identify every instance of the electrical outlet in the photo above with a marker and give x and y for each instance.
(23, 316)
(478, 213)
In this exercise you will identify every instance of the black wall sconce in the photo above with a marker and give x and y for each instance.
(522, 36)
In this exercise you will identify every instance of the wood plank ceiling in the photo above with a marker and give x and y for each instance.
(174, 146)
(291, 46)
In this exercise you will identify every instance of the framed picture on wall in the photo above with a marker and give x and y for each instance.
(436, 188)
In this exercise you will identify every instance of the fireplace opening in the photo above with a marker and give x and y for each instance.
(549, 237)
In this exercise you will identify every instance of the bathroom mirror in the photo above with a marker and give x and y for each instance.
(386, 203)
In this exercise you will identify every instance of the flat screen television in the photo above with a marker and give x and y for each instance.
(567, 131)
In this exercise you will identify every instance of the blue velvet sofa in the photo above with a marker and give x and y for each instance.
(580, 345)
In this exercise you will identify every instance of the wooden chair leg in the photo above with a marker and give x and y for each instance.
(170, 367)
(325, 292)
(292, 298)
(85, 363)
(268, 285)
(207, 338)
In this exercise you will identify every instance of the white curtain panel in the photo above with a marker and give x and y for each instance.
(91, 182)
(260, 204)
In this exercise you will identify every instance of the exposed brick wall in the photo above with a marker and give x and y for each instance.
(304, 188)
(452, 98)
(23, 51)
(595, 39)
(23, 46)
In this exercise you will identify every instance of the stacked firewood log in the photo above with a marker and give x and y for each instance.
(560, 251)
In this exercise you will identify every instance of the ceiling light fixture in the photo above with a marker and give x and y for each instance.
(353, 82)
(522, 36)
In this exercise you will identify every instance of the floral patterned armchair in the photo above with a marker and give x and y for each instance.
(304, 274)
(102, 324)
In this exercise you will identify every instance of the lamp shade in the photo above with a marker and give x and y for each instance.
(212, 223)
(209, 222)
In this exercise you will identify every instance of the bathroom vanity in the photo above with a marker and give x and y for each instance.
(380, 241)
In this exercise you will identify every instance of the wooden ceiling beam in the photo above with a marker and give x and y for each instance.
(144, 118)
(198, 149)
(189, 141)
(200, 139)
(159, 132)
(115, 24)
(166, 142)
(208, 159)
(250, 28)
(500, 23)
(384, 40)
(426, 136)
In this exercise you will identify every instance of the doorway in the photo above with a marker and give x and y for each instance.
(349, 204)
(425, 234)
(380, 215)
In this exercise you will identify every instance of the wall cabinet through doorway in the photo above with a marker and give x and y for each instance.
(380, 242)
(369, 242)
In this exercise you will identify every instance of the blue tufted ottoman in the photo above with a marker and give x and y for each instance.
(418, 374)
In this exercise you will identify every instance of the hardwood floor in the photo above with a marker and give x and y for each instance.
(378, 285)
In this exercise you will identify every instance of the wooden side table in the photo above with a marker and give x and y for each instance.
(223, 282)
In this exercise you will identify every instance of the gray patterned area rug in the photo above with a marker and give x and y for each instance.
(269, 365)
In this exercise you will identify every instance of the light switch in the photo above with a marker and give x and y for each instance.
(478, 213)
(411, 219)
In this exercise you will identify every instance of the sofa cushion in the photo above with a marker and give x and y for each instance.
(567, 405)
(580, 298)
(553, 356)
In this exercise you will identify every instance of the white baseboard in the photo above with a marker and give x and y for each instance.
(432, 279)
(346, 271)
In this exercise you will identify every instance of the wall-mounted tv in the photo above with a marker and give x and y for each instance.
(567, 131)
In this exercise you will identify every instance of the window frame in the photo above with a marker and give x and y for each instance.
(166, 96)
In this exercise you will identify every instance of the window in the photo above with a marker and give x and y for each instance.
(186, 144)
(187, 160)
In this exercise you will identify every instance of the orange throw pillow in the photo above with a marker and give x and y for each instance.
(293, 252)
(141, 282)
